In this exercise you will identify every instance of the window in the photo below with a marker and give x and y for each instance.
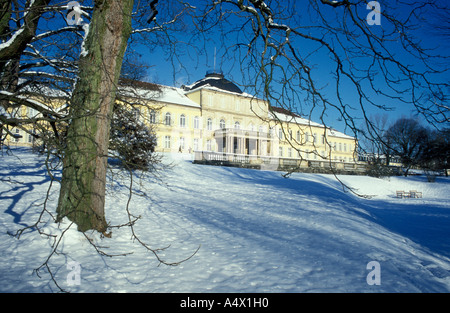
(280, 151)
(31, 113)
(290, 134)
(290, 152)
(195, 144)
(280, 133)
(315, 138)
(237, 125)
(196, 122)
(208, 145)
(210, 100)
(209, 124)
(299, 136)
(222, 124)
(18, 136)
(167, 142)
(152, 117)
(306, 137)
(182, 120)
(136, 114)
(182, 143)
(261, 129)
(168, 119)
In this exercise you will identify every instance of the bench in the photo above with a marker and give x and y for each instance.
(410, 194)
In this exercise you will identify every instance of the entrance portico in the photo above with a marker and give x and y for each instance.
(237, 141)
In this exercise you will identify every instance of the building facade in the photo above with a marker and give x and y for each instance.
(213, 120)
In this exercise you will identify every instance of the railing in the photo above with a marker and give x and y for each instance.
(272, 162)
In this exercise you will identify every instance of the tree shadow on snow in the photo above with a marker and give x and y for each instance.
(23, 180)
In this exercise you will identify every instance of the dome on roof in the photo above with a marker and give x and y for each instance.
(216, 80)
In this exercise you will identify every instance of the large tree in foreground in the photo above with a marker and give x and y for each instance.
(82, 196)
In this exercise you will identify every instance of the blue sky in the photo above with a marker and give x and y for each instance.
(197, 57)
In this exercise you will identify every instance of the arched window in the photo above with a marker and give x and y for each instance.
(237, 125)
(209, 124)
(168, 119)
(222, 124)
(182, 120)
(152, 117)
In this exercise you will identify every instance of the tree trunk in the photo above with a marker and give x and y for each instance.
(82, 195)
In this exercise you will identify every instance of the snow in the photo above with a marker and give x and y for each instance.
(84, 51)
(293, 119)
(7, 44)
(176, 96)
(165, 94)
(257, 232)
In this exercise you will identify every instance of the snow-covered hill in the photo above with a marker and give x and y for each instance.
(257, 232)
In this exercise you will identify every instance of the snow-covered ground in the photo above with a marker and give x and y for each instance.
(257, 232)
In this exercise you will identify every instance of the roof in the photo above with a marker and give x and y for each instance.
(175, 96)
(157, 92)
(335, 133)
(215, 80)
(285, 115)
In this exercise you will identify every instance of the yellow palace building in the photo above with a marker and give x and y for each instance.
(216, 123)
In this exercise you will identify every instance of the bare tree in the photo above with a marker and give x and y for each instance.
(82, 70)
(83, 183)
(408, 139)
